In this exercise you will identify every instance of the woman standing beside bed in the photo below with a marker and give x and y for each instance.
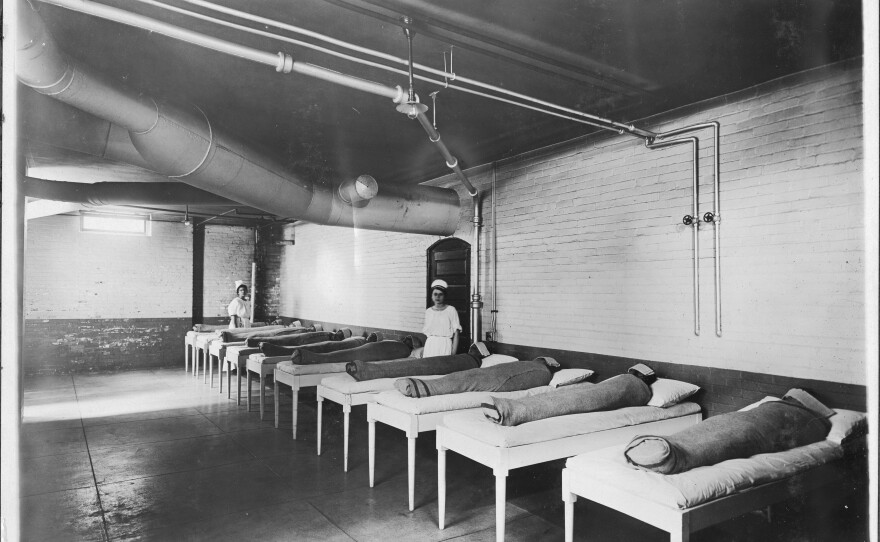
(441, 323)
(238, 309)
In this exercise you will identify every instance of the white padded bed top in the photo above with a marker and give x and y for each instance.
(452, 401)
(703, 484)
(317, 368)
(346, 383)
(237, 349)
(474, 424)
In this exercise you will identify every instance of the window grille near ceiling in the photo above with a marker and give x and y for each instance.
(123, 224)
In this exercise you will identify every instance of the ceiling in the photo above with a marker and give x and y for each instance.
(620, 59)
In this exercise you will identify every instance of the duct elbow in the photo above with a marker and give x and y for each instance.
(358, 192)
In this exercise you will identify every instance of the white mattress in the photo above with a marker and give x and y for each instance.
(703, 484)
(261, 359)
(233, 351)
(452, 401)
(317, 368)
(217, 347)
(346, 384)
(475, 424)
(202, 340)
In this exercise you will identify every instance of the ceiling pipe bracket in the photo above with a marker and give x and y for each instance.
(285, 63)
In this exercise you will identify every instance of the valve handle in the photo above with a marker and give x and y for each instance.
(688, 220)
(709, 217)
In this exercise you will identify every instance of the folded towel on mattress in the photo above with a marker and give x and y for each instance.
(436, 365)
(516, 375)
(293, 339)
(242, 333)
(271, 349)
(372, 351)
(771, 427)
(619, 391)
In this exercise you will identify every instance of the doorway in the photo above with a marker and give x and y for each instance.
(450, 259)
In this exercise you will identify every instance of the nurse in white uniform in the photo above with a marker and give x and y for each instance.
(441, 323)
(239, 311)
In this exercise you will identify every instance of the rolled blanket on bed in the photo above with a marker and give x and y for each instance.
(242, 334)
(617, 392)
(368, 352)
(293, 339)
(272, 349)
(438, 365)
(774, 426)
(513, 376)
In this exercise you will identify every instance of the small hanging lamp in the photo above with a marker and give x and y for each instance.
(411, 108)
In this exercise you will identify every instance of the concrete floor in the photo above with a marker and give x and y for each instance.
(158, 455)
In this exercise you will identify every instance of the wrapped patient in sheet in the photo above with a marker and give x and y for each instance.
(513, 376)
(371, 351)
(797, 420)
(362, 370)
(270, 347)
(626, 390)
(307, 336)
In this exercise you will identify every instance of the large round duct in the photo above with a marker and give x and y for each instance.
(182, 144)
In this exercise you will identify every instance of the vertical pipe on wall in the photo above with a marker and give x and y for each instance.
(12, 286)
(715, 219)
(494, 255)
(690, 220)
(476, 298)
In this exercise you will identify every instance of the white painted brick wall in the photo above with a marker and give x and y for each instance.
(229, 253)
(592, 255)
(75, 275)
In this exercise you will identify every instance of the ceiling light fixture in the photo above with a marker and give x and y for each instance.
(411, 108)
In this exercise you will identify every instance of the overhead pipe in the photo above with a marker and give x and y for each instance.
(111, 193)
(715, 216)
(579, 116)
(690, 220)
(183, 144)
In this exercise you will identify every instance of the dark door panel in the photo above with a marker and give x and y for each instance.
(450, 260)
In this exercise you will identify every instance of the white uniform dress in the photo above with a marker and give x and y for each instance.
(239, 307)
(440, 327)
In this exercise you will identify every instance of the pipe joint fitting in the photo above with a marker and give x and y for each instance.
(401, 95)
(454, 163)
(285, 63)
(432, 140)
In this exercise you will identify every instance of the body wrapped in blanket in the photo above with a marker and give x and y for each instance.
(368, 352)
(619, 391)
(513, 376)
(270, 348)
(242, 334)
(362, 370)
(797, 420)
(293, 339)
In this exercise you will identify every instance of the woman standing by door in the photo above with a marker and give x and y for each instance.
(441, 323)
(238, 309)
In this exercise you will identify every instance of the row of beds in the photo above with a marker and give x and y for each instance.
(592, 442)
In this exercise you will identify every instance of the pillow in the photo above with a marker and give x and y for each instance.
(847, 424)
(667, 392)
(759, 403)
(418, 353)
(496, 359)
(564, 377)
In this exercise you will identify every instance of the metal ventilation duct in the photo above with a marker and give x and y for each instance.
(121, 193)
(181, 143)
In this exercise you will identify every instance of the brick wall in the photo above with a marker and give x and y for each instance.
(71, 274)
(229, 253)
(109, 302)
(592, 256)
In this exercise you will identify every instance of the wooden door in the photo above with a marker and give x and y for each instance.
(450, 260)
